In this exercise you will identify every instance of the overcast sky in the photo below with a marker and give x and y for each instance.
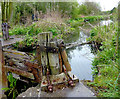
(105, 4)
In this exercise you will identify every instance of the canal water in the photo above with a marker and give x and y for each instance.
(81, 57)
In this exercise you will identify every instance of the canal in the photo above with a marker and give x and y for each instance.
(81, 57)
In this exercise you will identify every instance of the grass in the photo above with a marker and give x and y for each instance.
(105, 64)
(80, 21)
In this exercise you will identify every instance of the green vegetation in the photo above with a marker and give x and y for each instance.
(22, 12)
(59, 30)
(22, 30)
(89, 8)
(105, 65)
(27, 44)
(92, 18)
(80, 21)
(11, 90)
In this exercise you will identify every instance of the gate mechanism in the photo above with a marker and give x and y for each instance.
(50, 67)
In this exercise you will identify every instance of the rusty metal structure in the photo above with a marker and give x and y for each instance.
(49, 68)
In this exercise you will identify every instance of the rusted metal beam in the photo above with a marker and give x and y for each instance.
(50, 87)
(48, 49)
(31, 64)
(3, 75)
(19, 72)
(36, 70)
(37, 75)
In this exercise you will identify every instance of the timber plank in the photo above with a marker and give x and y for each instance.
(19, 72)
(3, 75)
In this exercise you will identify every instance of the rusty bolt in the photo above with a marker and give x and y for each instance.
(71, 83)
(63, 78)
(50, 88)
(44, 82)
(54, 80)
(11, 63)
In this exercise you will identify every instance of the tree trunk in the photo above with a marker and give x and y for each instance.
(10, 10)
(3, 11)
(7, 11)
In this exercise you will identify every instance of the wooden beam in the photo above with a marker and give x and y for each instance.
(19, 72)
(15, 52)
(3, 75)
(65, 59)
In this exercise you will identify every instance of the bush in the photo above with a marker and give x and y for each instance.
(27, 44)
(22, 30)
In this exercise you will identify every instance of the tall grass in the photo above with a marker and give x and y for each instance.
(105, 64)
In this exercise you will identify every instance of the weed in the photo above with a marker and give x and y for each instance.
(12, 86)
(105, 63)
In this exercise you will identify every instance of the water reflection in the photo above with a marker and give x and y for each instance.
(106, 22)
(81, 57)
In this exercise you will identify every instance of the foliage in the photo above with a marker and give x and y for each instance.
(54, 31)
(22, 30)
(30, 32)
(92, 18)
(92, 8)
(79, 21)
(42, 26)
(105, 65)
(25, 9)
(88, 8)
(83, 9)
(27, 44)
(12, 88)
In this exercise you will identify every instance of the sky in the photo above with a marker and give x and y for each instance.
(105, 4)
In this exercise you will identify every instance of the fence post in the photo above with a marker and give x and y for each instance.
(3, 75)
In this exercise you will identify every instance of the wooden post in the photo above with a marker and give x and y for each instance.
(65, 59)
(54, 59)
(3, 75)
(41, 54)
(61, 63)
(42, 38)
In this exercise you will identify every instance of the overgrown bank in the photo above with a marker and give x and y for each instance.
(59, 30)
(105, 65)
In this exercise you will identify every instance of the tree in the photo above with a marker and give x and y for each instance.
(88, 8)
(83, 9)
(6, 8)
(92, 7)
